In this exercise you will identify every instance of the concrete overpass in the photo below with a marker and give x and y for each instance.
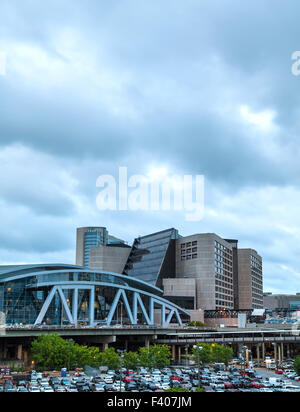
(282, 341)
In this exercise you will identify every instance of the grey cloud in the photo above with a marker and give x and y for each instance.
(97, 85)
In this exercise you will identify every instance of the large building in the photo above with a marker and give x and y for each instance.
(281, 304)
(69, 295)
(201, 272)
(207, 259)
(152, 257)
(97, 249)
(250, 279)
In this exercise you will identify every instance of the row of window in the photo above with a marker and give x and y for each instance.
(189, 257)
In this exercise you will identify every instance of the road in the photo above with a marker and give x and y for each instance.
(271, 374)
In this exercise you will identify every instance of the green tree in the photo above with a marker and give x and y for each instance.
(85, 355)
(297, 365)
(222, 354)
(177, 389)
(203, 353)
(110, 359)
(53, 352)
(206, 354)
(156, 356)
(130, 360)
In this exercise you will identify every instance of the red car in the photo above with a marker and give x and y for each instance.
(257, 385)
(279, 371)
(175, 378)
(128, 379)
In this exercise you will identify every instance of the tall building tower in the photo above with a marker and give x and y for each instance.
(250, 279)
(88, 237)
(207, 258)
(97, 249)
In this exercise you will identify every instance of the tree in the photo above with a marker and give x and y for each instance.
(222, 354)
(156, 356)
(203, 353)
(206, 353)
(177, 389)
(196, 323)
(130, 360)
(53, 352)
(297, 365)
(110, 359)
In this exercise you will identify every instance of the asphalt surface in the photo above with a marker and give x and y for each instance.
(271, 374)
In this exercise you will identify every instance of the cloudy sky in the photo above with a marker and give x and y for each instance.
(189, 87)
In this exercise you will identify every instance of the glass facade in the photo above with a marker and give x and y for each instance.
(92, 239)
(148, 259)
(23, 293)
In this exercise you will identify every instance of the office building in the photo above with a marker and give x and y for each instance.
(250, 279)
(97, 249)
(201, 272)
(281, 304)
(152, 257)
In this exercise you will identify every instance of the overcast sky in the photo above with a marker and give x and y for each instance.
(189, 86)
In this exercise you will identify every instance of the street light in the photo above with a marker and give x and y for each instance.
(275, 355)
(245, 348)
(186, 356)
(121, 353)
(198, 349)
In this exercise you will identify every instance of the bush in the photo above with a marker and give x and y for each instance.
(177, 389)
(297, 365)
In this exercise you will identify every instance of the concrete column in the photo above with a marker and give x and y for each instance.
(179, 355)
(275, 353)
(25, 356)
(282, 352)
(288, 351)
(147, 342)
(258, 352)
(263, 352)
(20, 352)
(174, 353)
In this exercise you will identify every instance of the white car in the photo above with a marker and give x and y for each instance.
(48, 389)
(34, 389)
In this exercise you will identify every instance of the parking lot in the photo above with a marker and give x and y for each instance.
(211, 379)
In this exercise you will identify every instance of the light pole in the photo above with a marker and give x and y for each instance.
(198, 350)
(121, 353)
(186, 356)
(245, 348)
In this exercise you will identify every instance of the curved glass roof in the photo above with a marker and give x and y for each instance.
(55, 271)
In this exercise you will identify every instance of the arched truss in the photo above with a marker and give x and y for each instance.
(167, 310)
